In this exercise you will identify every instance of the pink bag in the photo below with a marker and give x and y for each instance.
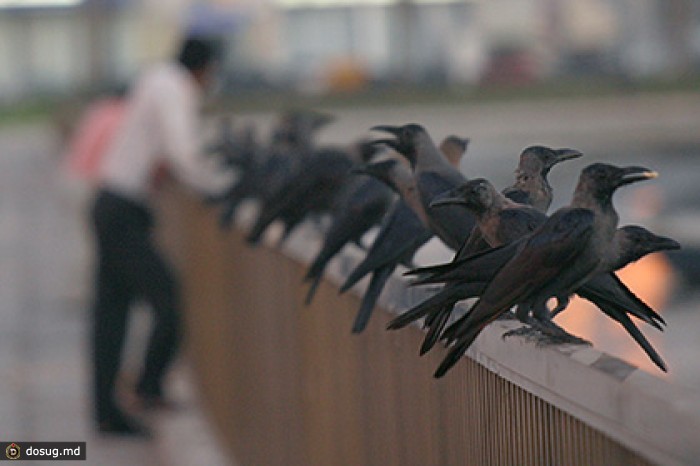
(92, 137)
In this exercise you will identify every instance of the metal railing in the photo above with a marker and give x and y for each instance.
(290, 385)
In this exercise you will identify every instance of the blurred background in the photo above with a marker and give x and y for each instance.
(616, 79)
(53, 48)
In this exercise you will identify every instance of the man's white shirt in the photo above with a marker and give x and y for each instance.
(162, 124)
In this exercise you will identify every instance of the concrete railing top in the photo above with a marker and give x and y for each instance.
(645, 413)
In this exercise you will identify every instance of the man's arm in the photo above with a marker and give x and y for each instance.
(180, 124)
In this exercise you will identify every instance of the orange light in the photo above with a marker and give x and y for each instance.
(650, 279)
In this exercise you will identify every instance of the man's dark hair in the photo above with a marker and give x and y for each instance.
(196, 53)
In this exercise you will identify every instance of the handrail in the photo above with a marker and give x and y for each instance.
(651, 418)
(648, 414)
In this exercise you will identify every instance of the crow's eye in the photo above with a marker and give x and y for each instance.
(599, 174)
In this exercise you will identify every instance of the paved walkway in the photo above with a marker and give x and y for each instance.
(44, 318)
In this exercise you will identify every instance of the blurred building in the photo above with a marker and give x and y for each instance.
(64, 46)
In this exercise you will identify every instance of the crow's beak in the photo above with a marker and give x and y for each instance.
(567, 154)
(662, 243)
(634, 174)
(394, 130)
(447, 198)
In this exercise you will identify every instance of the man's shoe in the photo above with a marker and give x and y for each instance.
(124, 426)
(157, 402)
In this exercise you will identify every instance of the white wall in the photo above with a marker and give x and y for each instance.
(42, 52)
(58, 52)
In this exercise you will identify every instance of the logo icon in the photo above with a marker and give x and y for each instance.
(12, 451)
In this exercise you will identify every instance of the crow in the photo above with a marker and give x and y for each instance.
(556, 259)
(402, 233)
(362, 206)
(312, 190)
(434, 175)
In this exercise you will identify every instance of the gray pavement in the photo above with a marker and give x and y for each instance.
(44, 272)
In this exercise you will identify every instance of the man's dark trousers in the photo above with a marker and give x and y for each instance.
(129, 267)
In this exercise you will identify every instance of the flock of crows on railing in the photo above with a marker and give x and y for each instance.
(510, 254)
